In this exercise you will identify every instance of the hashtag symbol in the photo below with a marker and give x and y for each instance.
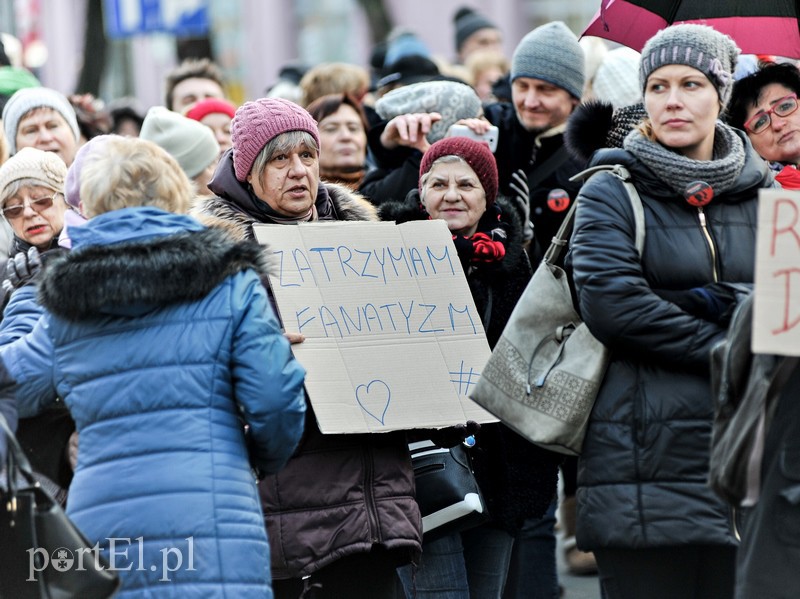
(464, 379)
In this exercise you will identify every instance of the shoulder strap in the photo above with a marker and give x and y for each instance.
(546, 168)
(623, 175)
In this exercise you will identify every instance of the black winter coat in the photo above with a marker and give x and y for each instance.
(642, 475)
(517, 478)
(516, 149)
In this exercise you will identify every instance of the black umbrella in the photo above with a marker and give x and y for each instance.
(757, 26)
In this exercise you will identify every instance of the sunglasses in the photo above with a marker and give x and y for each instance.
(38, 205)
(759, 122)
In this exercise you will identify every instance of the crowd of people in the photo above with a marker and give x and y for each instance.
(152, 384)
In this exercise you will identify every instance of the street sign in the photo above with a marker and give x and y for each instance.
(183, 18)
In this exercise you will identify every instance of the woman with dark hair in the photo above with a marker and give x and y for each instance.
(343, 139)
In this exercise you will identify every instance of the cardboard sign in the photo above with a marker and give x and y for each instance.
(393, 338)
(776, 305)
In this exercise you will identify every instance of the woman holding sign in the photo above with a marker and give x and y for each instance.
(644, 506)
(459, 184)
(341, 515)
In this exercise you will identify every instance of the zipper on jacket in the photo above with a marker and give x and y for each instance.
(707, 234)
(369, 496)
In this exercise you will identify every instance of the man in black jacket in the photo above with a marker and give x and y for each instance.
(547, 78)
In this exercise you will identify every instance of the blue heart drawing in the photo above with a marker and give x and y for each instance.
(374, 402)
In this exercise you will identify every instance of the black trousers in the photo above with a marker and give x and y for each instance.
(370, 575)
(682, 572)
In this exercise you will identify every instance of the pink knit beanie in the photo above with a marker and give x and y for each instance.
(258, 122)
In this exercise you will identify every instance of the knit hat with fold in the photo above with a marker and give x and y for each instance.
(30, 163)
(257, 123)
(699, 46)
(551, 53)
(475, 153)
(25, 100)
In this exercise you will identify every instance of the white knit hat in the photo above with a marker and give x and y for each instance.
(31, 163)
(191, 143)
(617, 79)
(25, 100)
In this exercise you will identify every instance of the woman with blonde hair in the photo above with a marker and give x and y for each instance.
(644, 505)
(161, 340)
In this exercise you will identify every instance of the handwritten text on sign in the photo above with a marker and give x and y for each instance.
(776, 318)
(393, 338)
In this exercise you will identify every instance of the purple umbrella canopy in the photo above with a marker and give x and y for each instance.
(757, 26)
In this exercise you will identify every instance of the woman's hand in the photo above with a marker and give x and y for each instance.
(21, 270)
(294, 337)
(409, 130)
(478, 126)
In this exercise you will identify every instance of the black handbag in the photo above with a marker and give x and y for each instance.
(43, 555)
(448, 494)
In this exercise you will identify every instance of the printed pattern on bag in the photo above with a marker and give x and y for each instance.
(566, 397)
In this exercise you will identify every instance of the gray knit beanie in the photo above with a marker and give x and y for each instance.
(551, 53)
(454, 101)
(699, 46)
(25, 100)
(190, 142)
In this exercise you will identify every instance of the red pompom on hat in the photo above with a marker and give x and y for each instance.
(203, 108)
(475, 153)
(257, 123)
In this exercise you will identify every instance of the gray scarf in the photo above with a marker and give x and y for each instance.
(678, 171)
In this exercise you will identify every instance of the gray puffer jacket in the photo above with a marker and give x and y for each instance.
(642, 475)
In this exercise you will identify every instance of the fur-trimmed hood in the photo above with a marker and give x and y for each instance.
(132, 269)
(237, 205)
(595, 125)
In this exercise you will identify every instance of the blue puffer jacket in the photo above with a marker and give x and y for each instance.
(643, 472)
(161, 340)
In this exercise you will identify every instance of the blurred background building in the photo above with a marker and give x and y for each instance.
(116, 48)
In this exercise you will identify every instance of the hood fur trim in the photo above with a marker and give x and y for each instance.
(588, 128)
(166, 270)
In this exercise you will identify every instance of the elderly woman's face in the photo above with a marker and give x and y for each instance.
(343, 139)
(45, 129)
(683, 107)
(36, 214)
(454, 193)
(288, 184)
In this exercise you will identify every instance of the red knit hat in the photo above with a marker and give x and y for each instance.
(257, 123)
(476, 154)
(203, 108)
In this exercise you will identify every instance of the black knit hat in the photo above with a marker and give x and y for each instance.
(467, 22)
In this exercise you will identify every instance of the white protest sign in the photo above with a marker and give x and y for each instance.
(776, 305)
(393, 338)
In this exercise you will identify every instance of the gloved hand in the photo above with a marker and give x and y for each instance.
(714, 302)
(522, 201)
(453, 435)
(21, 270)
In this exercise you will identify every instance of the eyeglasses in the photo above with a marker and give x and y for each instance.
(760, 121)
(38, 205)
